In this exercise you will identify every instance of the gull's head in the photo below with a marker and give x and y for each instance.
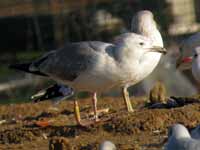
(135, 46)
(186, 51)
(107, 145)
(178, 131)
(144, 44)
(184, 60)
(143, 22)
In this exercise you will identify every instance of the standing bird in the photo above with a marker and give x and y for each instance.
(97, 66)
(180, 139)
(185, 51)
(195, 61)
(143, 23)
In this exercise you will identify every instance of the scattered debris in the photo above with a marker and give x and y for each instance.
(158, 93)
(43, 123)
(44, 136)
(173, 102)
(59, 143)
(2, 121)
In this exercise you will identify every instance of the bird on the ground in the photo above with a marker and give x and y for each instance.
(185, 51)
(143, 23)
(95, 66)
(180, 139)
(107, 145)
(194, 60)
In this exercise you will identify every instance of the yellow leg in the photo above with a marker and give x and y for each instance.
(77, 112)
(127, 99)
(78, 116)
(95, 112)
(94, 100)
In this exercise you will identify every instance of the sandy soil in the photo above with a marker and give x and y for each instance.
(143, 129)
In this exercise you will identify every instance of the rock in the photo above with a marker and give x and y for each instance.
(158, 93)
(59, 143)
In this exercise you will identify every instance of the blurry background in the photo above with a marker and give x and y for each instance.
(29, 28)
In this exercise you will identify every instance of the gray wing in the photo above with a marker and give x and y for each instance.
(67, 63)
(195, 133)
(192, 144)
(183, 144)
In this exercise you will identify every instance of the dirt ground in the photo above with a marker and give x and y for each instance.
(143, 129)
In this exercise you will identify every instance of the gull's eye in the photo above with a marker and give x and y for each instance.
(141, 43)
(195, 55)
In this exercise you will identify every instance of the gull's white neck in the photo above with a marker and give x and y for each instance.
(150, 60)
(196, 68)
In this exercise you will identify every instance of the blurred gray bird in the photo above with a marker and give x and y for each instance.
(196, 63)
(194, 60)
(107, 145)
(195, 133)
(183, 61)
(143, 23)
(180, 139)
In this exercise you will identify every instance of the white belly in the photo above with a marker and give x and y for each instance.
(106, 75)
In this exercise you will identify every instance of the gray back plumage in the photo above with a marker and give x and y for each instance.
(67, 62)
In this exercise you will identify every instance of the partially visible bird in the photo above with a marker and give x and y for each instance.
(107, 145)
(195, 133)
(180, 139)
(55, 93)
(194, 60)
(144, 23)
(196, 63)
(185, 51)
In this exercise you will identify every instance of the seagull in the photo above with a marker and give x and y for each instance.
(185, 51)
(195, 61)
(96, 66)
(107, 145)
(143, 23)
(180, 139)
